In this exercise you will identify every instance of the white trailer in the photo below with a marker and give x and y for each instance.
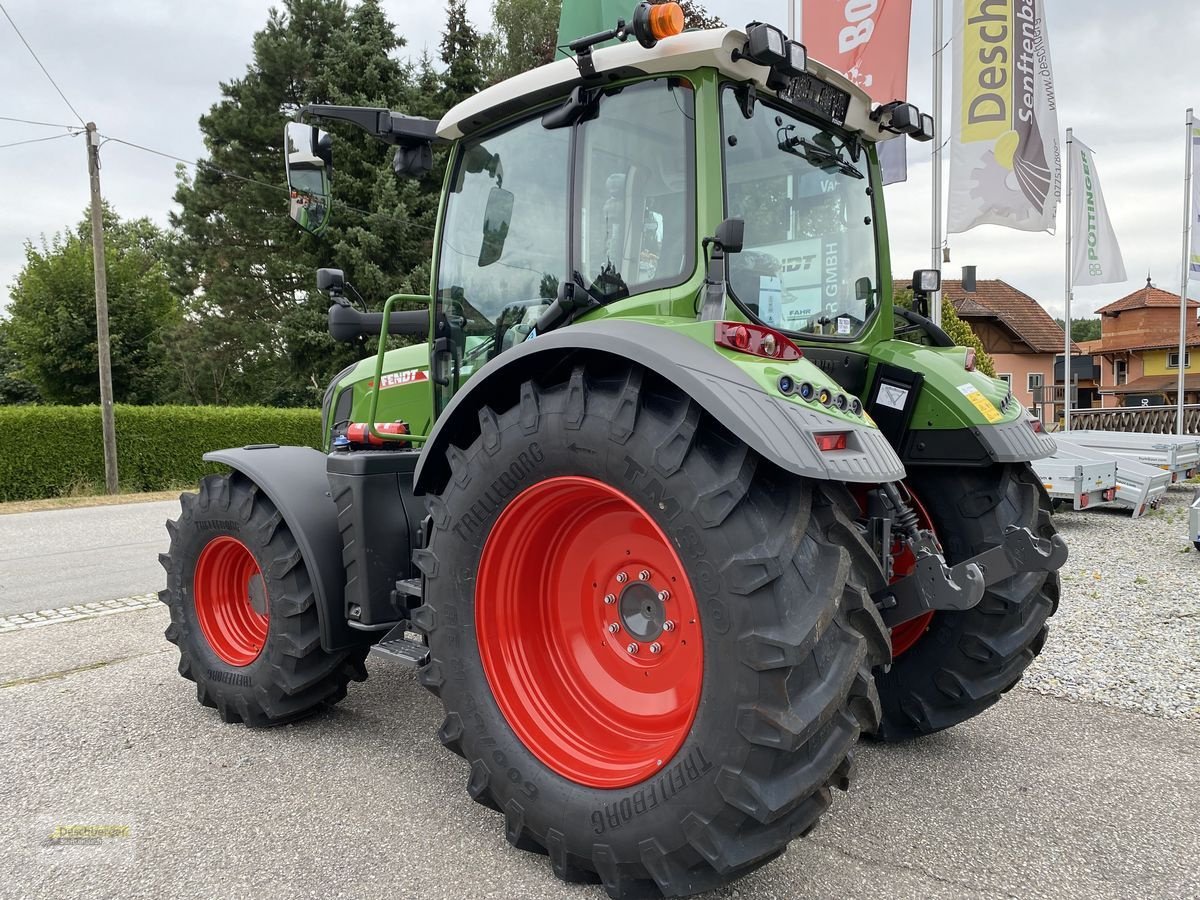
(1139, 486)
(1180, 456)
(1080, 482)
(1194, 520)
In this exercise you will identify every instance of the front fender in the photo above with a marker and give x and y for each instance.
(294, 479)
(778, 428)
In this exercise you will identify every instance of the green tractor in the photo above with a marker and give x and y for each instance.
(671, 505)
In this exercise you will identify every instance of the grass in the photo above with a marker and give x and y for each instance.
(77, 501)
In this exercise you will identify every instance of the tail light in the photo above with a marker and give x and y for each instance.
(1083, 501)
(969, 363)
(833, 441)
(1110, 494)
(1036, 425)
(756, 340)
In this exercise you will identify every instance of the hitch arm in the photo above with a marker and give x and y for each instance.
(933, 585)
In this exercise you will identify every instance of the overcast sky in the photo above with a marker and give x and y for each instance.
(145, 70)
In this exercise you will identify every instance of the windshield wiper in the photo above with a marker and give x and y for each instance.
(816, 155)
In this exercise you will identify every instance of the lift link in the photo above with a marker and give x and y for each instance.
(933, 585)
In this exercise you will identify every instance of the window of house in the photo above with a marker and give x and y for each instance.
(1006, 377)
(1173, 360)
(1120, 371)
(1033, 380)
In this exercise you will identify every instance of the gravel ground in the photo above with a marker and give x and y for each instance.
(1127, 632)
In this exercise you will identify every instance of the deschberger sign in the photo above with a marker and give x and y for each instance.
(1004, 160)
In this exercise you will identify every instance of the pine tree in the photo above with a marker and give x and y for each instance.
(255, 322)
(460, 52)
(524, 35)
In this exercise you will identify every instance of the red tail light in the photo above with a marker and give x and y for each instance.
(1083, 501)
(969, 364)
(1036, 425)
(834, 441)
(756, 341)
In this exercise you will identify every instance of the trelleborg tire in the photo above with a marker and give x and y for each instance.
(965, 661)
(243, 614)
(654, 649)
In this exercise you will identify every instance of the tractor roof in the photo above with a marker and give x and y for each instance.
(713, 48)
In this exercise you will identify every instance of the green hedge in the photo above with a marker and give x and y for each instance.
(49, 451)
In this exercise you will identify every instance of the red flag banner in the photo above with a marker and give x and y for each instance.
(867, 41)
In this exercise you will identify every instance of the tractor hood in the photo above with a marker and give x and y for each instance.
(713, 48)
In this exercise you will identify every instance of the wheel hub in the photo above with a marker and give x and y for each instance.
(642, 613)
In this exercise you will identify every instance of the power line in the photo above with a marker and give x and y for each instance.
(39, 62)
(53, 137)
(31, 122)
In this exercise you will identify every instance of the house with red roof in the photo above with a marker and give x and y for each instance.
(1138, 350)
(1020, 336)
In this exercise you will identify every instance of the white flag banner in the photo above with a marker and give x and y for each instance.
(1096, 258)
(1005, 155)
(1194, 258)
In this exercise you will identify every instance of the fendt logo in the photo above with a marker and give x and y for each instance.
(396, 379)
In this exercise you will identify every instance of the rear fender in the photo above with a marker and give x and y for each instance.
(778, 428)
(295, 481)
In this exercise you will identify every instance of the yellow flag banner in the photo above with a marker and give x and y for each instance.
(1005, 164)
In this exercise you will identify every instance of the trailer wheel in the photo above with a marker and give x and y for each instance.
(243, 613)
(964, 661)
(653, 648)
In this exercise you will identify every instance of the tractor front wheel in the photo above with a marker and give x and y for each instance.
(951, 666)
(243, 614)
(654, 649)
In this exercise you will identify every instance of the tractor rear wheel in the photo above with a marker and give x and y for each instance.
(654, 649)
(951, 666)
(243, 614)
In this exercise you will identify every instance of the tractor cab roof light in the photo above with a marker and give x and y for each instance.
(900, 117)
(651, 23)
(756, 340)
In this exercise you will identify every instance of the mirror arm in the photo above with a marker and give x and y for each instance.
(383, 124)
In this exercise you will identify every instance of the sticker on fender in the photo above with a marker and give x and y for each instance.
(981, 403)
(397, 379)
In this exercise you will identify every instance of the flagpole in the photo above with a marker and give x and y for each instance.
(1187, 250)
(1069, 215)
(792, 32)
(935, 301)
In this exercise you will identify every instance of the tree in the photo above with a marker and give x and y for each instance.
(696, 16)
(524, 35)
(1085, 329)
(958, 330)
(14, 388)
(460, 53)
(51, 332)
(253, 326)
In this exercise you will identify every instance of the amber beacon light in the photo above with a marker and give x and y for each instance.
(653, 22)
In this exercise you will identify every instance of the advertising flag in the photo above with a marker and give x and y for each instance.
(1004, 156)
(1096, 258)
(1194, 258)
(867, 41)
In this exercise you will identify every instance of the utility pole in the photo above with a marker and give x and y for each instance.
(1183, 286)
(102, 340)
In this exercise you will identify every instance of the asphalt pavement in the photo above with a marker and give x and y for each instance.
(1039, 797)
(63, 557)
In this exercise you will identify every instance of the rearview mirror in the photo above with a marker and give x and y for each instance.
(731, 235)
(496, 219)
(308, 155)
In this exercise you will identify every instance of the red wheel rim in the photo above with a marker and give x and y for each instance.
(226, 585)
(573, 575)
(906, 634)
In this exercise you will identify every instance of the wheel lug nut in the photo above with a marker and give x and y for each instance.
(668, 625)
(644, 575)
(656, 647)
(610, 599)
(632, 648)
(664, 595)
(622, 578)
(614, 628)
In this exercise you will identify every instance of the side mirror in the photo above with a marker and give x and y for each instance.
(863, 290)
(308, 156)
(731, 235)
(496, 220)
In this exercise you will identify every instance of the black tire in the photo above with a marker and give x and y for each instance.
(790, 636)
(292, 677)
(966, 660)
